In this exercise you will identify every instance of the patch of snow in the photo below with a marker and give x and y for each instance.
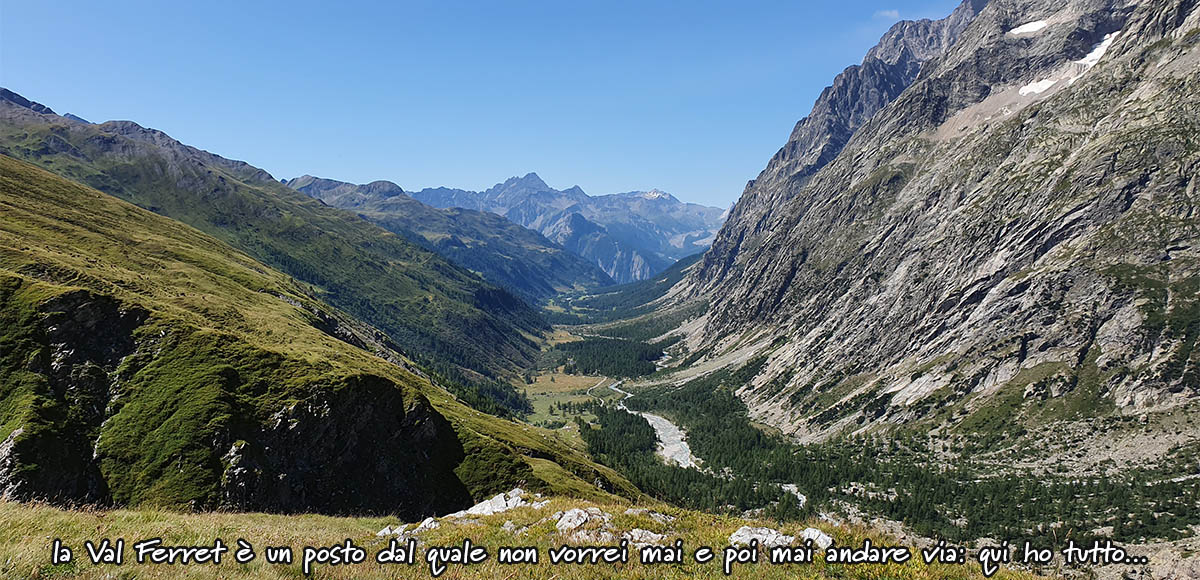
(1037, 87)
(1098, 51)
(1029, 28)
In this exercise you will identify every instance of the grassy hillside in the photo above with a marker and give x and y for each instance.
(441, 315)
(146, 363)
(25, 550)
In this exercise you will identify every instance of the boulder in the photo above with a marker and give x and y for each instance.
(819, 539)
(571, 519)
(766, 537)
(639, 537)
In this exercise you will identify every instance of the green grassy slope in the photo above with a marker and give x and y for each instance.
(147, 363)
(439, 314)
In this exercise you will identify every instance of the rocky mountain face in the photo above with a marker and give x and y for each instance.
(438, 313)
(1007, 240)
(631, 236)
(503, 252)
(855, 96)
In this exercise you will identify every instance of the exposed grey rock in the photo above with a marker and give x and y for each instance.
(819, 538)
(766, 537)
(576, 518)
(571, 520)
(640, 538)
(426, 525)
(501, 502)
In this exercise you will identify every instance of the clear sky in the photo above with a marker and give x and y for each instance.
(692, 97)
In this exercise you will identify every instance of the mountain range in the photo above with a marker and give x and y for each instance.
(503, 252)
(631, 236)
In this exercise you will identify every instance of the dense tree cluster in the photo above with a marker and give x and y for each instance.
(609, 357)
(894, 477)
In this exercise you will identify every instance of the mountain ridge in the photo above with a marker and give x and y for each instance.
(444, 316)
(505, 253)
(631, 236)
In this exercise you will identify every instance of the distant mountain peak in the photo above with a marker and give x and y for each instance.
(383, 187)
(529, 180)
(657, 194)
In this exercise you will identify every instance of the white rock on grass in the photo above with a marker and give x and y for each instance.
(640, 538)
(571, 519)
(387, 530)
(426, 524)
(571, 524)
(819, 539)
(766, 537)
(499, 503)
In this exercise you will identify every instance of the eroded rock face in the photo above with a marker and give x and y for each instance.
(1020, 216)
(366, 448)
(80, 339)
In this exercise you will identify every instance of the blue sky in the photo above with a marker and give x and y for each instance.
(690, 97)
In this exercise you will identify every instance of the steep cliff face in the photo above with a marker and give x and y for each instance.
(1009, 242)
(855, 96)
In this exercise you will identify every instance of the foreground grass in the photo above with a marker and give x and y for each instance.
(28, 530)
